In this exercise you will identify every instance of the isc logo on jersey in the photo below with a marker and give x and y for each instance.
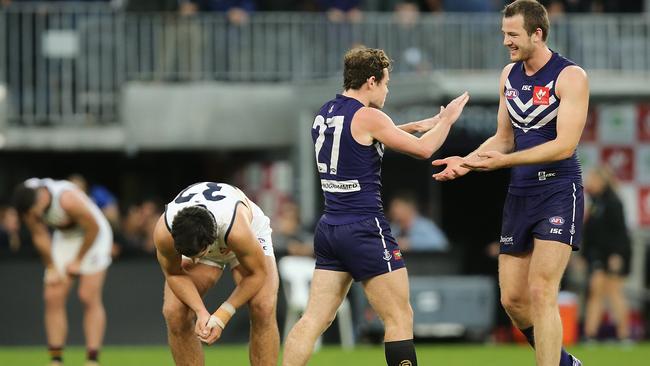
(512, 93)
(541, 95)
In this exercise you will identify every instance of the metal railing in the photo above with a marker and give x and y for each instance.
(66, 63)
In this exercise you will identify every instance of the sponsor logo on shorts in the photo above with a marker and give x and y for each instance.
(387, 255)
(542, 175)
(340, 186)
(556, 220)
(573, 229)
(405, 363)
(555, 230)
(507, 240)
(512, 93)
(397, 254)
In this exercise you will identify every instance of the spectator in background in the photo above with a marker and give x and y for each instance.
(407, 15)
(137, 227)
(433, 6)
(414, 232)
(617, 6)
(106, 202)
(340, 11)
(102, 197)
(9, 231)
(471, 6)
(607, 250)
(237, 11)
(288, 233)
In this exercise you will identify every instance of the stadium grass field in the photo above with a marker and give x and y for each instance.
(428, 355)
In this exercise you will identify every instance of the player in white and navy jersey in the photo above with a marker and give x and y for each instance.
(542, 112)
(353, 239)
(79, 246)
(206, 228)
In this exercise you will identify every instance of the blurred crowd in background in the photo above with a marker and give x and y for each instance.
(351, 10)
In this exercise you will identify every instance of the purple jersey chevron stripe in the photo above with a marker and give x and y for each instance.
(532, 109)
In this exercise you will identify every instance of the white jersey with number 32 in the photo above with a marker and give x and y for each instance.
(221, 200)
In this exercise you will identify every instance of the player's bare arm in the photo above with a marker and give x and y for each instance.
(74, 205)
(573, 91)
(423, 125)
(40, 237)
(242, 241)
(43, 243)
(371, 124)
(170, 263)
(502, 141)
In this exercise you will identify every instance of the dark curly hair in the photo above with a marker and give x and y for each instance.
(361, 63)
(23, 198)
(193, 229)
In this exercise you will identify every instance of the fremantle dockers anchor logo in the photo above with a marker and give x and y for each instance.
(387, 255)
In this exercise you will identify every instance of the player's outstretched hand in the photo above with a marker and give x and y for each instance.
(454, 168)
(453, 110)
(490, 160)
(201, 328)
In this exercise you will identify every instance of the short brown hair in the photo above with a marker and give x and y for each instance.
(361, 63)
(534, 13)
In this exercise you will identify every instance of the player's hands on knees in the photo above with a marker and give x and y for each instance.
(201, 328)
(215, 334)
(74, 267)
(52, 276)
(454, 168)
(453, 110)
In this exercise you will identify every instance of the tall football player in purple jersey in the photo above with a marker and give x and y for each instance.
(352, 239)
(542, 111)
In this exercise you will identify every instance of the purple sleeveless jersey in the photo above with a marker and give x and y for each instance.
(350, 173)
(533, 108)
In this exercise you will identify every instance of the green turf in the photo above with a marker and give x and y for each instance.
(428, 355)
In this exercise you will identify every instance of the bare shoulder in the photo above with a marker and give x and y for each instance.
(162, 238)
(506, 69)
(572, 79)
(504, 75)
(240, 225)
(572, 73)
(367, 124)
(369, 114)
(72, 200)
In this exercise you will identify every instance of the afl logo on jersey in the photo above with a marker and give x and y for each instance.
(556, 220)
(512, 93)
(541, 95)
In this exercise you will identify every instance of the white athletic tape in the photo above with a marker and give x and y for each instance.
(214, 321)
(229, 308)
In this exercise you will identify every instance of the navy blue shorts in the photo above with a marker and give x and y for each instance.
(364, 249)
(553, 214)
